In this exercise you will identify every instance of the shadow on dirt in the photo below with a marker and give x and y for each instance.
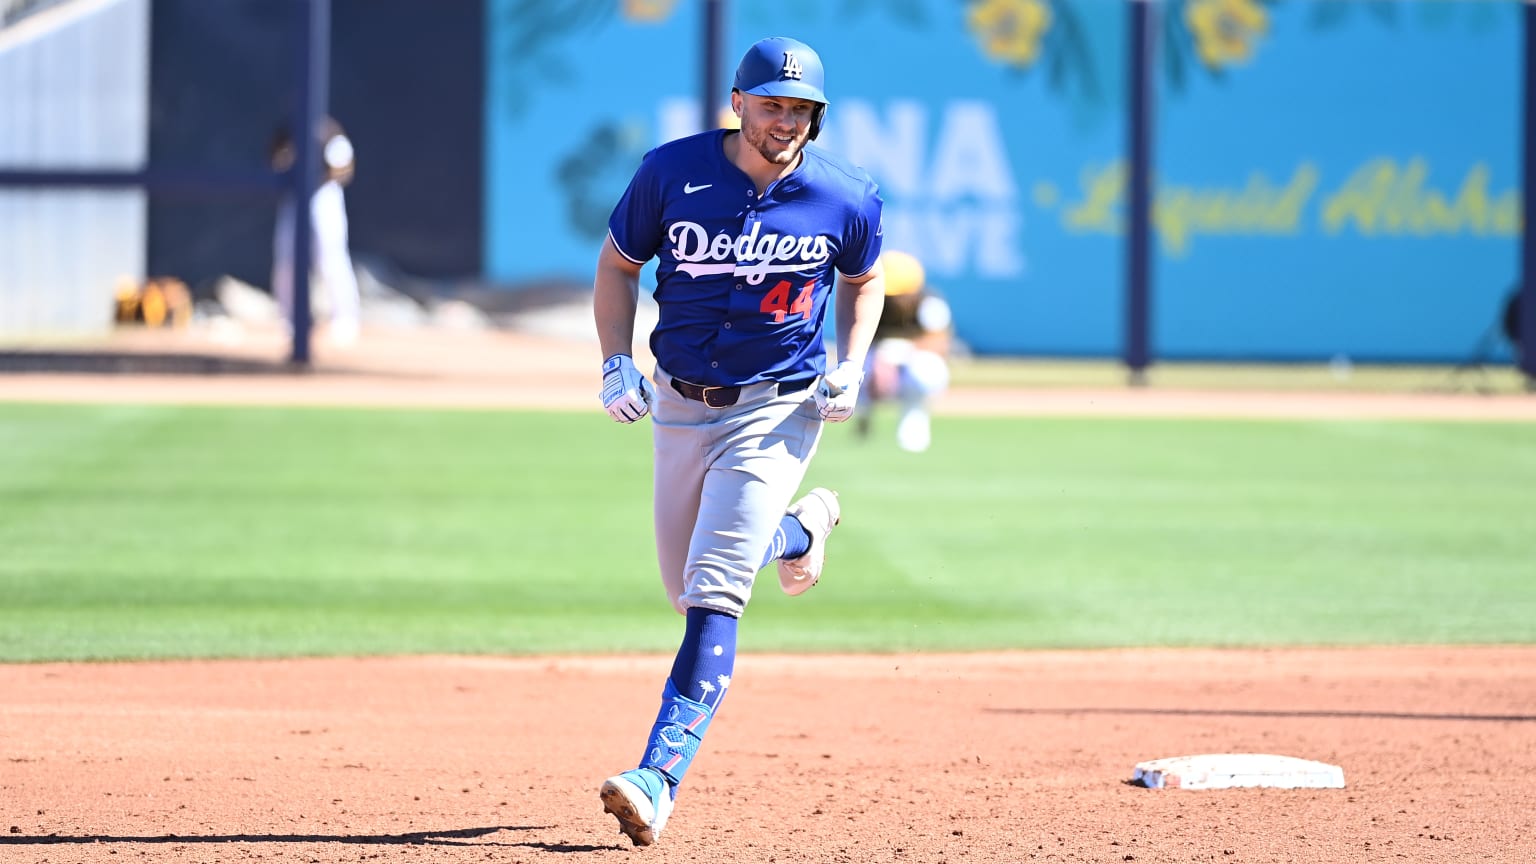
(451, 837)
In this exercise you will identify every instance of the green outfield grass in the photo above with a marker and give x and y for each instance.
(132, 532)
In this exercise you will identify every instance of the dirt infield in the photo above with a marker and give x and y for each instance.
(985, 758)
(938, 759)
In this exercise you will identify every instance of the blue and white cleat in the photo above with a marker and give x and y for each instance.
(641, 801)
(818, 511)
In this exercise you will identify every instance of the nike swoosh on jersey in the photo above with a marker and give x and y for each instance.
(689, 188)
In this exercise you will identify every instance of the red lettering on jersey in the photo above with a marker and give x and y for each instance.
(776, 301)
(802, 304)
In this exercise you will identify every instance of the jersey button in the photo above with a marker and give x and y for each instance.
(727, 325)
(714, 364)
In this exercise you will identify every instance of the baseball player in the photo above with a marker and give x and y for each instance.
(751, 229)
(328, 226)
(908, 363)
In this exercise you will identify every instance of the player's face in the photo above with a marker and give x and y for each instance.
(776, 126)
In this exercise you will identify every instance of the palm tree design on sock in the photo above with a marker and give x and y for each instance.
(707, 688)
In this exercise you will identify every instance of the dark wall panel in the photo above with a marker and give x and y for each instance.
(406, 81)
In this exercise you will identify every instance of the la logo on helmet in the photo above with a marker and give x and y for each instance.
(791, 66)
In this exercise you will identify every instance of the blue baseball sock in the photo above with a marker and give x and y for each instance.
(789, 541)
(701, 673)
(704, 662)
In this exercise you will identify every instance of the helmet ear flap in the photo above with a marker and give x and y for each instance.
(816, 119)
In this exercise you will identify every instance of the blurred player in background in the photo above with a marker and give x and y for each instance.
(751, 230)
(341, 300)
(909, 363)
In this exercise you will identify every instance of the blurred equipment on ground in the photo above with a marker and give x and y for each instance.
(158, 302)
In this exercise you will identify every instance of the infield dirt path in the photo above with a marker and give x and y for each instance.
(929, 758)
(984, 758)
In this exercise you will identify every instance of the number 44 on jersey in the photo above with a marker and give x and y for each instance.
(776, 301)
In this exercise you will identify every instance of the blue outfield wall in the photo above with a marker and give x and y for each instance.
(1332, 178)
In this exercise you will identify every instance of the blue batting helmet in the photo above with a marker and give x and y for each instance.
(780, 66)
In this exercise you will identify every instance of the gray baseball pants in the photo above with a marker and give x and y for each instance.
(723, 479)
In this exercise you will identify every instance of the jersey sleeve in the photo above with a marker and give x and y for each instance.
(861, 247)
(635, 224)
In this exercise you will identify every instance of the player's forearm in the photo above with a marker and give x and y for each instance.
(858, 313)
(615, 298)
(614, 311)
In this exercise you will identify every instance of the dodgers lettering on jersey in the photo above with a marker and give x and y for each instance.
(742, 282)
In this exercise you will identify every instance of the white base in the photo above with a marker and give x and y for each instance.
(1237, 770)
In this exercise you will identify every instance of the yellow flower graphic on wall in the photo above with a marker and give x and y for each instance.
(648, 10)
(1226, 31)
(1010, 31)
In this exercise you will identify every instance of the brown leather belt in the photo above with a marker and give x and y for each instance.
(725, 397)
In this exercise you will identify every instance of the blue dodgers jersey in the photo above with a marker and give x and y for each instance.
(742, 283)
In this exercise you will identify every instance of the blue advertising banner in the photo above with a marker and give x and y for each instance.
(1331, 178)
(1343, 180)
